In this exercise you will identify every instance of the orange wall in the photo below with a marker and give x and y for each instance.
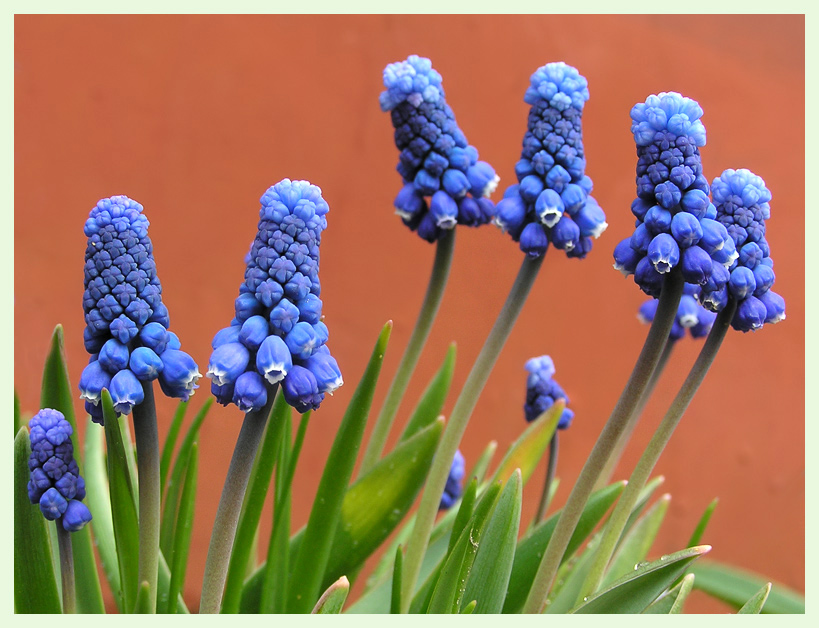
(195, 116)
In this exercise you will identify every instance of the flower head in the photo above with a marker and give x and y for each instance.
(691, 315)
(742, 206)
(551, 203)
(277, 335)
(444, 183)
(126, 329)
(542, 391)
(453, 487)
(55, 483)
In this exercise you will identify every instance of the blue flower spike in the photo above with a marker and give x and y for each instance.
(277, 335)
(551, 203)
(742, 206)
(55, 484)
(542, 391)
(691, 315)
(126, 329)
(675, 226)
(444, 182)
(454, 482)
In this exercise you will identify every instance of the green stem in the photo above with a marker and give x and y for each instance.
(619, 517)
(626, 404)
(454, 430)
(230, 505)
(444, 249)
(147, 448)
(611, 464)
(550, 475)
(66, 569)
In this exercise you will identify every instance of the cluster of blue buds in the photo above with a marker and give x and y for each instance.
(55, 483)
(551, 202)
(278, 334)
(690, 314)
(453, 488)
(676, 221)
(126, 329)
(436, 161)
(542, 391)
(742, 205)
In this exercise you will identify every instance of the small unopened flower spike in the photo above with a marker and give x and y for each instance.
(453, 488)
(277, 335)
(56, 484)
(542, 391)
(126, 322)
(742, 207)
(551, 203)
(444, 182)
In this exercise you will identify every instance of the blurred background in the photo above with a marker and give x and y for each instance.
(196, 116)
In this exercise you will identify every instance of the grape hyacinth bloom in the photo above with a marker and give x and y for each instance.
(691, 315)
(453, 488)
(542, 391)
(742, 206)
(551, 203)
(56, 484)
(126, 329)
(444, 182)
(277, 335)
(676, 224)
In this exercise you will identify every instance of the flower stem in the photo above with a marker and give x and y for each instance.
(454, 430)
(550, 475)
(66, 569)
(230, 505)
(444, 249)
(146, 436)
(626, 404)
(611, 464)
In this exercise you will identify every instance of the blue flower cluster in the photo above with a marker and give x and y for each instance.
(436, 161)
(55, 483)
(690, 314)
(453, 488)
(277, 334)
(542, 391)
(742, 206)
(551, 202)
(676, 221)
(126, 329)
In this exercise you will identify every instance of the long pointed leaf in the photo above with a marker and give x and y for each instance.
(164, 585)
(666, 604)
(397, 576)
(465, 510)
(56, 390)
(755, 604)
(170, 443)
(702, 524)
(432, 401)
(573, 573)
(686, 586)
(35, 587)
(332, 600)
(311, 563)
(182, 533)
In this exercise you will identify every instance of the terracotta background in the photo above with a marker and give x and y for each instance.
(195, 116)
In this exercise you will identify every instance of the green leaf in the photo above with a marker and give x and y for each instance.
(170, 443)
(469, 608)
(164, 585)
(465, 511)
(671, 602)
(528, 449)
(35, 587)
(635, 545)
(252, 506)
(171, 504)
(86, 579)
(573, 574)
(311, 563)
(643, 499)
(735, 586)
(432, 401)
(636, 590)
(143, 600)
(755, 604)
(530, 549)
(696, 536)
(686, 586)
(182, 532)
(56, 390)
(123, 504)
(489, 578)
(395, 601)
(332, 600)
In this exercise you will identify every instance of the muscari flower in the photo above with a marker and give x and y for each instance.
(55, 483)
(277, 335)
(126, 329)
(453, 488)
(676, 224)
(551, 202)
(742, 206)
(444, 182)
(542, 391)
(690, 316)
